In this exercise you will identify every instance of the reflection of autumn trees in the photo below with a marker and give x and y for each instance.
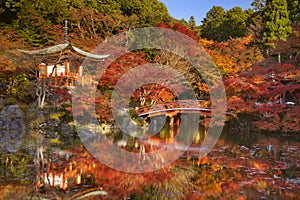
(178, 186)
(84, 169)
(228, 172)
(239, 173)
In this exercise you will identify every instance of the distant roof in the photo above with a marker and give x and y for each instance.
(62, 47)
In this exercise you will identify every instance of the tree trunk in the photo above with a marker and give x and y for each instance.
(41, 94)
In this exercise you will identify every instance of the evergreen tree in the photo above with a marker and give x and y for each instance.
(235, 24)
(220, 25)
(256, 28)
(211, 24)
(294, 11)
(192, 23)
(276, 19)
(149, 12)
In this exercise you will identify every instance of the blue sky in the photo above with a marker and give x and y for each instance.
(198, 8)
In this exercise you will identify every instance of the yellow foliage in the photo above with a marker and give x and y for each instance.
(262, 185)
(56, 141)
(223, 62)
(205, 43)
(55, 115)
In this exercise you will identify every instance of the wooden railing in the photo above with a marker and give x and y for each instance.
(61, 75)
(174, 106)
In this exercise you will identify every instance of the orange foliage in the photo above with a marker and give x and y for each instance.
(223, 62)
(232, 56)
(9, 57)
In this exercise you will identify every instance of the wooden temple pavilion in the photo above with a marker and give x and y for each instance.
(61, 65)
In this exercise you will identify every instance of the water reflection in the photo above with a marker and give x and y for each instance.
(258, 168)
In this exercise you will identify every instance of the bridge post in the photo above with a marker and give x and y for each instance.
(171, 127)
(206, 126)
(177, 121)
(174, 122)
(171, 121)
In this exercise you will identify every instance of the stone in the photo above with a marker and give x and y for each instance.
(12, 128)
(66, 130)
(12, 111)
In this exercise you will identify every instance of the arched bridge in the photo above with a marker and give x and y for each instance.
(175, 107)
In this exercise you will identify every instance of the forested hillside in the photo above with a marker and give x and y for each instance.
(38, 22)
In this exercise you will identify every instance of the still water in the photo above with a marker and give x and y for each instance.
(240, 166)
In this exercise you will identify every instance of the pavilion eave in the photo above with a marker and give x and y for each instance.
(61, 48)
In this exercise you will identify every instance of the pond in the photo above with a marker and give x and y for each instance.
(240, 166)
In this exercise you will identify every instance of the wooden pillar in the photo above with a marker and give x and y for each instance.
(55, 73)
(67, 68)
(171, 120)
(78, 178)
(41, 71)
(53, 180)
(171, 127)
(47, 75)
(177, 124)
(46, 70)
(177, 121)
(79, 71)
(40, 68)
(55, 76)
(206, 126)
(64, 183)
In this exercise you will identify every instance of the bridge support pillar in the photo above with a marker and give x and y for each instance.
(177, 121)
(174, 125)
(171, 121)
(171, 127)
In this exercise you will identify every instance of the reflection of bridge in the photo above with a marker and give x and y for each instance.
(173, 108)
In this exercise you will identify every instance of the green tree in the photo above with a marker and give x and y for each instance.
(235, 24)
(294, 11)
(192, 23)
(211, 24)
(150, 12)
(221, 25)
(277, 22)
(106, 7)
(256, 28)
(8, 10)
(33, 20)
